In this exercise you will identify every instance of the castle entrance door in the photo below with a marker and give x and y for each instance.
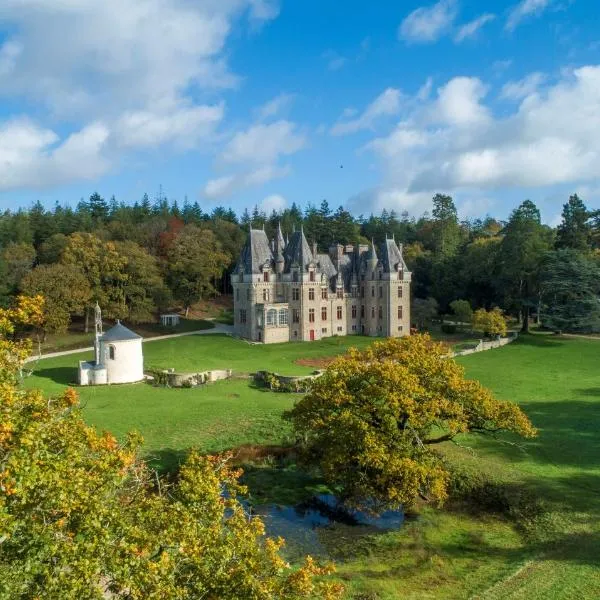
(312, 335)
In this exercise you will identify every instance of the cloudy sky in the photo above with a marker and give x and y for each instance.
(242, 102)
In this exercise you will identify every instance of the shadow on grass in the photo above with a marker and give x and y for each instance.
(63, 375)
(540, 341)
(167, 460)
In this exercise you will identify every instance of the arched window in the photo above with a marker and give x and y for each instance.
(111, 352)
(272, 317)
(283, 316)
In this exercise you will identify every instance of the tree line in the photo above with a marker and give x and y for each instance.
(138, 259)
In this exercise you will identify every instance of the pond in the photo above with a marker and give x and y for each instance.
(311, 527)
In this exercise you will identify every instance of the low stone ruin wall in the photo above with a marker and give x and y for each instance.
(484, 345)
(170, 378)
(286, 383)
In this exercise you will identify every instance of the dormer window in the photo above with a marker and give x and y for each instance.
(266, 276)
(311, 276)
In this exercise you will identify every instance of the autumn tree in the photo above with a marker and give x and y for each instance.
(104, 269)
(462, 311)
(490, 322)
(371, 422)
(81, 516)
(65, 290)
(194, 260)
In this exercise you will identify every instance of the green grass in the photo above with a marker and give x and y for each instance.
(76, 338)
(449, 553)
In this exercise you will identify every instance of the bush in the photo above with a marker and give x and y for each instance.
(448, 328)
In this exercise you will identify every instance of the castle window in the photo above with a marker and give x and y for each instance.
(340, 328)
(311, 276)
(295, 276)
(295, 334)
(324, 294)
(362, 311)
(324, 330)
(400, 274)
(311, 315)
(248, 294)
(399, 327)
(399, 312)
(111, 352)
(340, 292)
(339, 313)
(242, 316)
(362, 291)
(272, 317)
(380, 312)
(283, 316)
(311, 293)
(354, 312)
(372, 291)
(295, 293)
(295, 316)
(324, 313)
(399, 291)
(372, 312)
(380, 292)
(266, 276)
(265, 295)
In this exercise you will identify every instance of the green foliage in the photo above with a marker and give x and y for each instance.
(463, 311)
(570, 284)
(371, 420)
(423, 311)
(575, 230)
(449, 328)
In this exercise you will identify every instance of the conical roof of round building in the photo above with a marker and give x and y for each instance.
(119, 333)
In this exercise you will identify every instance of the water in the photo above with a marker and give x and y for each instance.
(302, 524)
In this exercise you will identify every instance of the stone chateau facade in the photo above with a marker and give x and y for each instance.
(287, 291)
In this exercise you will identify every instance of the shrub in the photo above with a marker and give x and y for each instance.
(448, 327)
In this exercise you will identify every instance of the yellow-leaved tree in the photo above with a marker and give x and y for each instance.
(82, 517)
(372, 420)
(490, 322)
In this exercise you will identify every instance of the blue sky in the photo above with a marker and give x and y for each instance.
(240, 102)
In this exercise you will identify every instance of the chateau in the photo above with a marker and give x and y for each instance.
(286, 291)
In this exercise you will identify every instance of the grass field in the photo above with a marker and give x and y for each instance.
(457, 552)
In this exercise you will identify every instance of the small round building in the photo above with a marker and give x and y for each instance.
(119, 358)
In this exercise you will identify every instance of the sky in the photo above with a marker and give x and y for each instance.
(368, 104)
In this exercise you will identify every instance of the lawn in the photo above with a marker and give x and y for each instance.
(455, 552)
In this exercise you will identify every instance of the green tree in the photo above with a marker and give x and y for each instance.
(463, 311)
(423, 311)
(51, 249)
(523, 247)
(81, 516)
(65, 290)
(570, 285)
(370, 422)
(194, 260)
(575, 230)
(144, 288)
(18, 259)
(446, 229)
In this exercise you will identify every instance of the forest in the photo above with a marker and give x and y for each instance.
(141, 258)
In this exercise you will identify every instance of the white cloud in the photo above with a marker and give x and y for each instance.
(275, 106)
(386, 104)
(428, 23)
(334, 60)
(274, 202)
(470, 29)
(425, 90)
(523, 10)
(222, 187)
(455, 144)
(33, 157)
(264, 143)
(517, 90)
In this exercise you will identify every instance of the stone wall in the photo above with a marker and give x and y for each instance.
(186, 380)
(286, 383)
(484, 345)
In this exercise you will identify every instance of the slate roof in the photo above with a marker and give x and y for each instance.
(391, 256)
(119, 333)
(255, 253)
(325, 265)
(297, 252)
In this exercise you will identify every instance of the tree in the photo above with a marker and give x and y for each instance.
(104, 269)
(575, 230)
(490, 323)
(520, 255)
(570, 284)
(446, 229)
(463, 311)
(423, 311)
(17, 259)
(52, 248)
(81, 516)
(65, 290)
(194, 260)
(370, 422)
